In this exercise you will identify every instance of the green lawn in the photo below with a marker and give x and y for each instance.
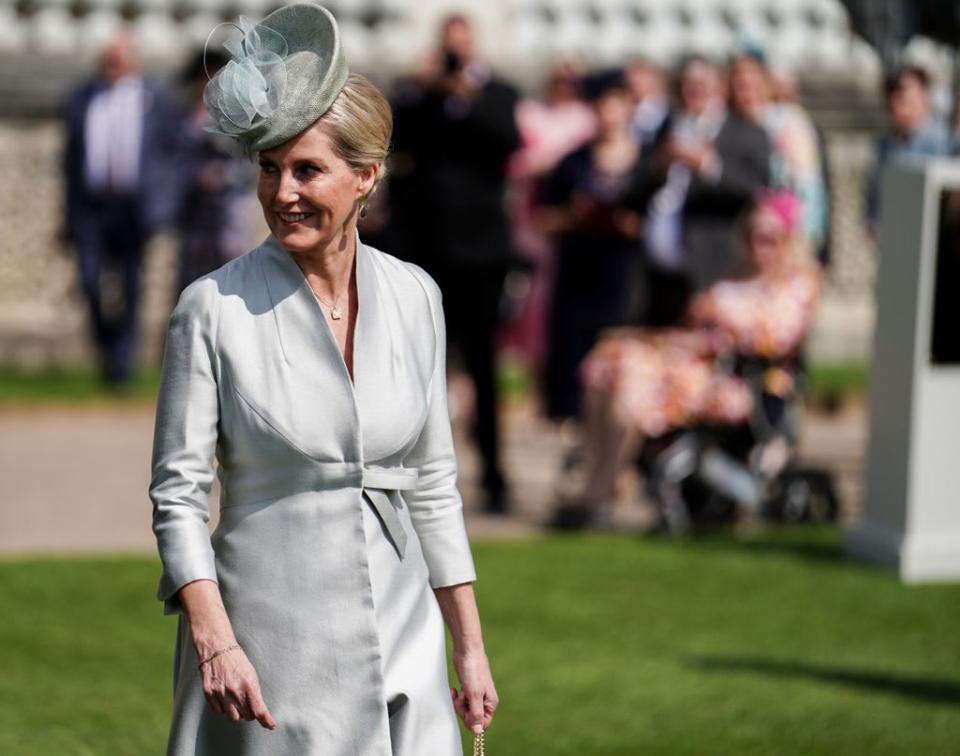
(826, 381)
(71, 385)
(604, 644)
(832, 380)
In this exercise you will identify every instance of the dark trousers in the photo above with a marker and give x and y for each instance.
(109, 240)
(471, 304)
(669, 295)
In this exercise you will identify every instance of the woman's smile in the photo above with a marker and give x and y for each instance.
(293, 219)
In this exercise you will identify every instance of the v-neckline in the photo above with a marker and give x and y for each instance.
(351, 338)
(360, 276)
(351, 343)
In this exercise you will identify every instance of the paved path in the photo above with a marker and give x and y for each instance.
(75, 479)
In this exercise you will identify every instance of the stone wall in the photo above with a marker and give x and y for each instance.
(844, 328)
(43, 321)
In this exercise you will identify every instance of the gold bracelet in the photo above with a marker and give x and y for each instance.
(478, 743)
(215, 654)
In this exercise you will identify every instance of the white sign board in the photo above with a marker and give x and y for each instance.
(911, 512)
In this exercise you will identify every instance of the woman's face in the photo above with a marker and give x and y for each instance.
(767, 237)
(309, 193)
(749, 87)
(613, 110)
(700, 85)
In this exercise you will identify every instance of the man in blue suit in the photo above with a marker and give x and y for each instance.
(120, 178)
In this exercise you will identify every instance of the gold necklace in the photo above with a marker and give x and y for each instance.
(335, 312)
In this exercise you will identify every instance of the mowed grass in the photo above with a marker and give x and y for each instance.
(72, 385)
(76, 384)
(604, 644)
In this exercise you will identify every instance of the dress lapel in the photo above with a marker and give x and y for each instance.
(386, 400)
(316, 403)
(297, 312)
(391, 346)
(373, 335)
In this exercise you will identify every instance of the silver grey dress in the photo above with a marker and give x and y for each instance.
(339, 510)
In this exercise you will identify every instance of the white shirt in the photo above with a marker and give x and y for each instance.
(113, 132)
(664, 229)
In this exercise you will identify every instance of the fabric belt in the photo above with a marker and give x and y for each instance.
(378, 484)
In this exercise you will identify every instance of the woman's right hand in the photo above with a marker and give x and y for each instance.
(230, 682)
(232, 689)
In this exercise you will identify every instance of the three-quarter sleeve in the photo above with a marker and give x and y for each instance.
(436, 508)
(184, 445)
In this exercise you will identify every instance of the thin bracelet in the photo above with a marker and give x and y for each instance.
(215, 654)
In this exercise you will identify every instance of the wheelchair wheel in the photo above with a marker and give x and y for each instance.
(803, 496)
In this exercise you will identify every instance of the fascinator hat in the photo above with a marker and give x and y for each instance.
(284, 73)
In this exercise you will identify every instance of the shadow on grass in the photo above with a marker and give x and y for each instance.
(810, 543)
(928, 690)
(810, 550)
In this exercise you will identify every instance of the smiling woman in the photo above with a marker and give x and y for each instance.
(313, 370)
(306, 193)
(310, 185)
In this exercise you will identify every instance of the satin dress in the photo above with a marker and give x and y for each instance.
(339, 511)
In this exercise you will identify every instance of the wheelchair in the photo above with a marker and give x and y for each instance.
(711, 475)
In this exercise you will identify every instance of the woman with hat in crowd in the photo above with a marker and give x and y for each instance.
(313, 369)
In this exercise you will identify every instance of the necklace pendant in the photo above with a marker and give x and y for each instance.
(335, 313)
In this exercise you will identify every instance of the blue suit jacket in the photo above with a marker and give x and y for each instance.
(159, 187)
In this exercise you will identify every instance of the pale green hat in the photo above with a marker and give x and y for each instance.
(285, 73)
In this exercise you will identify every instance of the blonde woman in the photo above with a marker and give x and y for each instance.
(313, 370)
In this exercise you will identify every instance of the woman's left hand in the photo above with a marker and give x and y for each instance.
(477, 698)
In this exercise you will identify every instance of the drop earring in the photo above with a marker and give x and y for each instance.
(363, 206)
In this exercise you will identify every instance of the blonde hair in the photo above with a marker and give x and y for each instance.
(360, 123)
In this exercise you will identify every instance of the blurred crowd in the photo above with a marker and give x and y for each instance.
(626, 233)
(650, 243)
(137, 160)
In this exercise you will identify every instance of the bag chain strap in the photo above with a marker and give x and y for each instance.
(478, 744)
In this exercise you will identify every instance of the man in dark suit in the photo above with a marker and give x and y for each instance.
(120, 187)
(708, 166)
(454, 129)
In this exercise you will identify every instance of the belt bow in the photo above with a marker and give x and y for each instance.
(378, 483)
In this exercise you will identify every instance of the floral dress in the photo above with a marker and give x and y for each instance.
(666, 379)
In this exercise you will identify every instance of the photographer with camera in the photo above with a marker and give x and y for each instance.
(454, 130)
